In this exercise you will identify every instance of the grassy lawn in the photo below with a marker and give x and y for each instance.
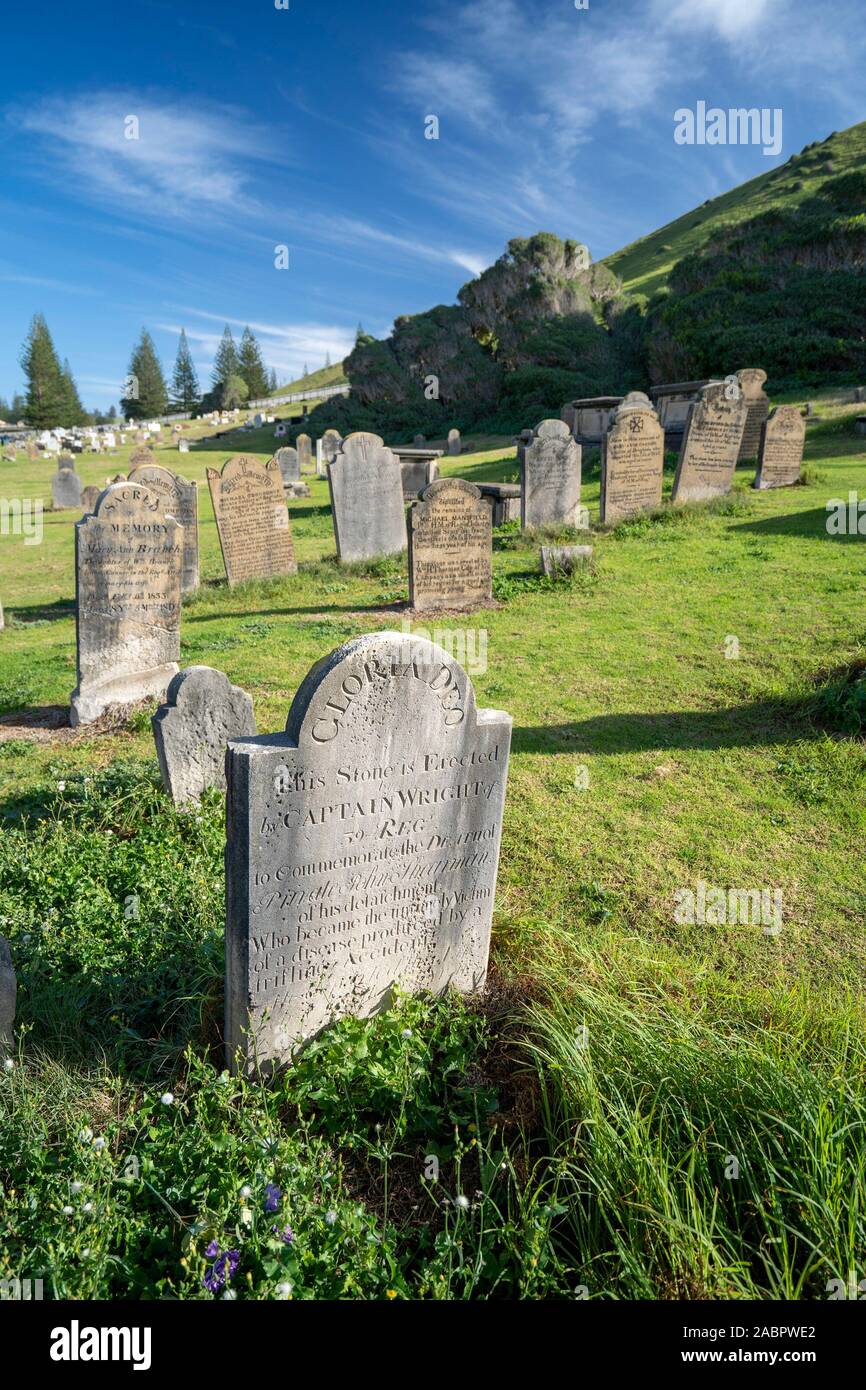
(638, 1108)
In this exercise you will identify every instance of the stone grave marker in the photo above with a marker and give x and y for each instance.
(366, 487)
(450, 547)
(550, 477)
(289, 465)
(179, 499)
(304, 446)
(202, 714)
(362, 845)
(128, 561)
(780, 453)
(632, 460)
(454, 442)
(711, 445)
(751, 381)
(564, 558)
(331, 442)
(139, 457)
(252, 519)
(66, 489)
(419, 441)
(89, 497)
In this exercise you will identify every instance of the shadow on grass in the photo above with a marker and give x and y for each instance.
(41, 612)
(811, 524)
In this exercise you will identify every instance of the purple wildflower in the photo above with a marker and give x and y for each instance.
(223, 1269)
(213, 1250)
(286, 1236)
(272, 1198)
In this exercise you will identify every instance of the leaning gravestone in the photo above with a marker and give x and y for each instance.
(780, 453)
(66, 489)
(751, 381)
(454, 442)
(289, 465)
(366, 486)
(362, 845)
(711, 445)
(450, 547)
(304, 446)
(202, 714)
(142, 456)
(179, 499)
(252, 519)
(128, 559)
(550, 477)
(632, 460)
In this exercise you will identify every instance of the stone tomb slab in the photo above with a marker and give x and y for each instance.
(202, 714)
(711, 445)
(366, 487)
(550, 477)
(362, 845)
(780, 454)
(128, 559)
(632, 461)
(179, 499)
(450, 547)
(252, 519)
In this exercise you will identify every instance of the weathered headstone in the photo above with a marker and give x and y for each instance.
(419, 441)
(8, 992)
(454, 442)
(780, 453)
(564, 559)
(362, 845)
(66, 489)
(202, 714)
(178, 498)
(450, 547)
(366, 487)
(128, 560)
(711, 445)
(331, 442)
(550, 473)
(305, 452)
(141, 456)
(751, 381)
(632, 460)
(89, 497)
(252, 519)
(289, 465)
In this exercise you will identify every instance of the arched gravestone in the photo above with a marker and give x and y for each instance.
(304, 446)
(288, 464)
(632, 460)
(90, 497)
(66, 489)
(455, 444)
(362, 845)
(450, 547)
(780, 454)
(179, 499)
(202, 714)
(550, 477)
(128, 558)
(366, 486)
(711, 445)
(141, 456)
(751, 380)
(252, 519)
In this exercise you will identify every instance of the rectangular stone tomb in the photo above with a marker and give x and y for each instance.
(632, 461)
(780, 454)
(711, 444)
(128, 559)
(179, 499)
(503, 499)
(366, 488)
(362, 845)
(450, 547)
(252, 519)
(550, 474)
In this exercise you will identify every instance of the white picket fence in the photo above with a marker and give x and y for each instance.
(323, 393)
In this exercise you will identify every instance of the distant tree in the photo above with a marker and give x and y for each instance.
(251, 367)
(48, 398)
(18, 406)
(4, 409)
(73, 410)
(273, 385)
(327, 359)
(185, 393)
(225, 363)
(306, 371)
(234, 392)
(360, 335)
(146, 396)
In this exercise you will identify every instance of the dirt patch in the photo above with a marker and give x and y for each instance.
(50, 724)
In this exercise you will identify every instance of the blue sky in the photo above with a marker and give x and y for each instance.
(304, 127)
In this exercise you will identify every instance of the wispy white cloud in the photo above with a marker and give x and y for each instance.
(44, 282)
(352, 230)
(287, 347)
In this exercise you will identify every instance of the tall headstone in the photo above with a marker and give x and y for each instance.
(550, 477)
(454, 442)
(252, 519)
(66, 489)
(711, 445)
(780, 453)
(751, 381)
(632, 460)
(179, 499)
(331, 442)
(366, 487)
(305, 452)
(450, 547)
(202, 714)
(362, 845)
(128, 561)
(289, 465)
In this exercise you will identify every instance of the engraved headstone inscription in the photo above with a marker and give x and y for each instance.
(252, 519)
(450, 547)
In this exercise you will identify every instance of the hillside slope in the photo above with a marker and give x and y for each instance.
(325, 376)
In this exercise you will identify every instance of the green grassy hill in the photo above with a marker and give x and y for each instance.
(325, 376)
(644, 266)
